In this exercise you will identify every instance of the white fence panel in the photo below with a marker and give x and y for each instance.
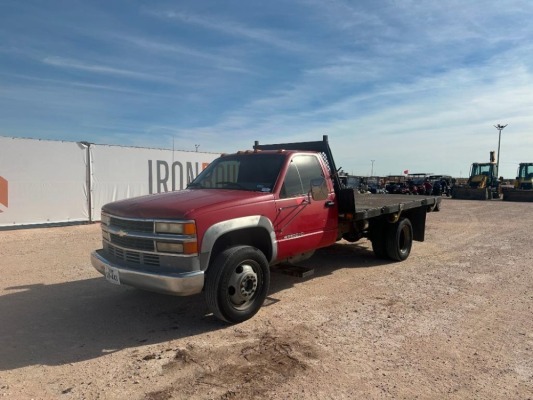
(122, 172)
(42, 182)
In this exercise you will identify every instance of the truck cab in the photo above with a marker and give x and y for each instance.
(272, 206)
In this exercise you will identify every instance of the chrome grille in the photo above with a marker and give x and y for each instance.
(133, 257)
(133, 243)
(133, 225)
(151, 259)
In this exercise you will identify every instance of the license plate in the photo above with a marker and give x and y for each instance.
(112, 275)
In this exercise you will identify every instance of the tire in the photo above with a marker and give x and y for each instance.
(378, 246)
(378, 241)
(237, 283)
(399, 240)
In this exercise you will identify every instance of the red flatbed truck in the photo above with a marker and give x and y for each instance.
(244, 213)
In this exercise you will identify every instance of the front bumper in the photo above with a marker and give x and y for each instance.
(177, 284)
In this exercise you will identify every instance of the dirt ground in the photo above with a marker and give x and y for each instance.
(454, 321)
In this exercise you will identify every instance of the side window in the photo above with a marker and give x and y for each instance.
(292, 185)
(302, 170)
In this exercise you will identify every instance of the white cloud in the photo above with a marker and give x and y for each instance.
(103, 69)
(435, 124)
(167, 50)
(233, 28)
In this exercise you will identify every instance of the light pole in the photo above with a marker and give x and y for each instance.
(196, 146)
(500, 128)
(372, 169)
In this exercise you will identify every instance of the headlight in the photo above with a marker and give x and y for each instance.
(175, 228)
(105, 219)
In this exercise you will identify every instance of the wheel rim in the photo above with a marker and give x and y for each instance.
(242, 285)
(404, 239)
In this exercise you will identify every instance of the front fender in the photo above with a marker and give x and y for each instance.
(214, 232)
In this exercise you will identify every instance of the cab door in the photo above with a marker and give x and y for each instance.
(303, 223)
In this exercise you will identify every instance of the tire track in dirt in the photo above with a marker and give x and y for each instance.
(250, 369)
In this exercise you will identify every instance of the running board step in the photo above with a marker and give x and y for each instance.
(294, 270)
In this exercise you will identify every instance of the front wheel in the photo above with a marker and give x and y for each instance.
(237, 283)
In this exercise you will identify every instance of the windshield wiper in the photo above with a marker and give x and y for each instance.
(234, 184)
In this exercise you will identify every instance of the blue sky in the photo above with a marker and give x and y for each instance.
(415, 85)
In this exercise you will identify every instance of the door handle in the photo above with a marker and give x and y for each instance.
(330, 203)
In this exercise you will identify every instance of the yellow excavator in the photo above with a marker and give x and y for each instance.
(523, 187)
(482, 184)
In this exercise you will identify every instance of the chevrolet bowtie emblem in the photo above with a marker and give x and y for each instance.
(122, 233)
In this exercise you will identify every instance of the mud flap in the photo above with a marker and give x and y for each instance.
(418, 221)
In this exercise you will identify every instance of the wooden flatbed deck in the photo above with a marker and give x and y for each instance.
(372, 205)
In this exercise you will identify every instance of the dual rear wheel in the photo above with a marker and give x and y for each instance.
(393, 241)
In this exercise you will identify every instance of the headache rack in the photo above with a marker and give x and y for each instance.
(345, 196)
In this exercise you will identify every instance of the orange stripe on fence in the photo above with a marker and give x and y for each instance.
(3, 192)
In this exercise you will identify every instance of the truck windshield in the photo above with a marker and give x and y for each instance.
(252, 172)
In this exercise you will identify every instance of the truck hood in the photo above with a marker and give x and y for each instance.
(185, 204)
